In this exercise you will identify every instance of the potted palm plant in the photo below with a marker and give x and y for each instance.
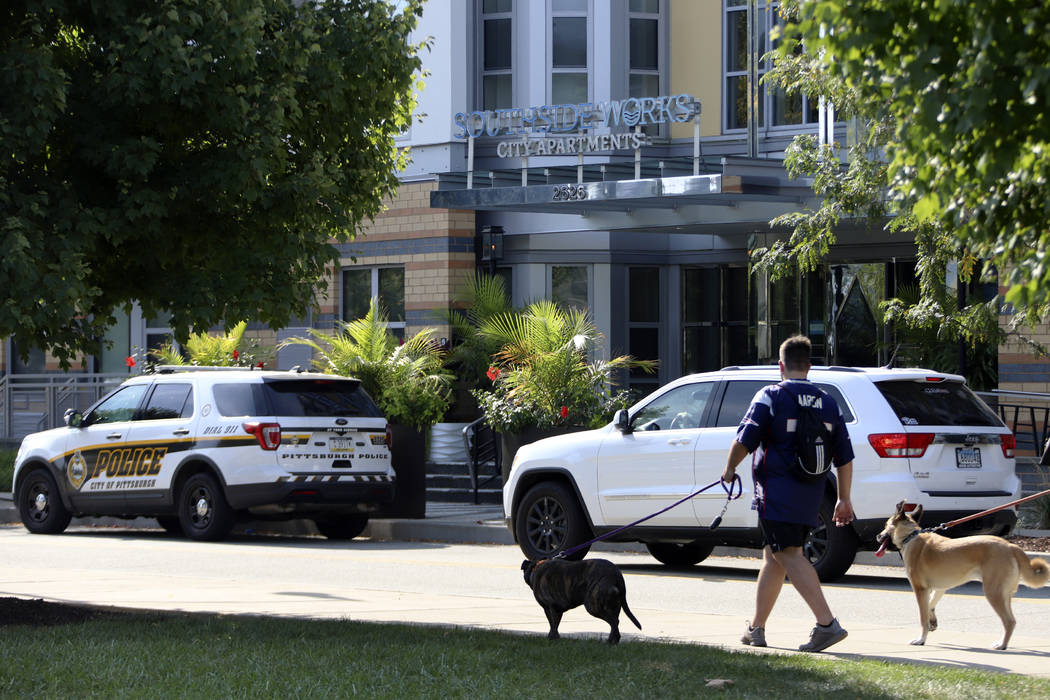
(407, 381)
(543, 380)
(228, 350)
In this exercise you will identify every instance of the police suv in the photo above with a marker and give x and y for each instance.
(197, 449)
(918, 436)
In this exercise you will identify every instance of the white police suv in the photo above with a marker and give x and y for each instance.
(196, 449)
(918, 436)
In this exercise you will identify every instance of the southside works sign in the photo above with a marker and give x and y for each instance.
(549, 120)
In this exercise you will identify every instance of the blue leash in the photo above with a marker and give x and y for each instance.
(735, 487)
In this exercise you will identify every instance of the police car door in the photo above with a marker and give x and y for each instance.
(95, 451)
(651, 467)
(159, 434)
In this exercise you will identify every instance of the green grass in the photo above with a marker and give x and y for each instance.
(154, 656)
(7, 468)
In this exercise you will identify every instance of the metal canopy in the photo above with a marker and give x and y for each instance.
(667, 193)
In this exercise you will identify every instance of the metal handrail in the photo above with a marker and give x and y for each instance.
(1032, 420)
(40, 400)
(482, 448)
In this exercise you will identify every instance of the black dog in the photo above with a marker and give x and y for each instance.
(596, 584)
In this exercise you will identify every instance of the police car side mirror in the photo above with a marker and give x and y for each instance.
(622, 419)
(73, 417)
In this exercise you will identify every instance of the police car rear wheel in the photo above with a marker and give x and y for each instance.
(343, 528)
(40, 505)
(171, 524)
(203, 511)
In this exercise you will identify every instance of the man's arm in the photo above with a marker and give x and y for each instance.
(737, 452)
(844, 507)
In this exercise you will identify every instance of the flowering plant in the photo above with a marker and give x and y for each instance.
(542, 376)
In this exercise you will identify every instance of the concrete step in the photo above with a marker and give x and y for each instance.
(446, 495)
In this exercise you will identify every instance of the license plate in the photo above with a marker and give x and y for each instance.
(341, 445)
(968, 457)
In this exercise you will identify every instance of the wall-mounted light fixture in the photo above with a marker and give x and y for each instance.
(491, 246)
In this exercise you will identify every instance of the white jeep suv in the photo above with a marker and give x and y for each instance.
(196, 449)
(918, 436)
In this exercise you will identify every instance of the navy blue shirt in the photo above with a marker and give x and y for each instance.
(770, 424)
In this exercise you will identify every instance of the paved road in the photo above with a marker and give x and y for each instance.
(481, 585)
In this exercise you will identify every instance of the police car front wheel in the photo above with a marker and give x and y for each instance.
(40, 505)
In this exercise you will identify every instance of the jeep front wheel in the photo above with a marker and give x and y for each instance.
(679, 555)
(830, 548)
(40, 505)
(203, 511)
(549, 520)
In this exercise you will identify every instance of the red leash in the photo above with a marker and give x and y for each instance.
(953, 523)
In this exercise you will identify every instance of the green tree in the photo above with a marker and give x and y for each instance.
(958, 94)
(816, 55)
(196, 156)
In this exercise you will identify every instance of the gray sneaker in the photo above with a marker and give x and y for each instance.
(823, 637)
(754, 636)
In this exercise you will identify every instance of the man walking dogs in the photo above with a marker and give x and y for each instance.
(787, 499)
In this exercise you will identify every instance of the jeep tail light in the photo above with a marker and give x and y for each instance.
(1009, 444)
(268, 434)
(900, 444)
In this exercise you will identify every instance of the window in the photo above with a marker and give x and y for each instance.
(497, 51)
(715, 328)
(644, 48)
(569, 286)
(643, 325)
(117, 407)
(775, 107)
(169, 401)
(679, 409)
(387, 284)
(569, 51)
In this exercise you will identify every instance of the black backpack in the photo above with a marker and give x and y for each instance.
(814, 446)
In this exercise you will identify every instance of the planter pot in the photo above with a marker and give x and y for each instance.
(446, 444)
(510, 442)
(408, 453)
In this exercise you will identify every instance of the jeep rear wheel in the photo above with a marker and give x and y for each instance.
(40, 505)
(203, 511)
(676, 554)
(830, 548)
(346, 528)
(549, 520)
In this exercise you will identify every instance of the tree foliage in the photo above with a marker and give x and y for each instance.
(947, 132)
(964, 89)
(194, 155)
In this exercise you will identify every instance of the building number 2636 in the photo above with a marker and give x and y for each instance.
(569, 192)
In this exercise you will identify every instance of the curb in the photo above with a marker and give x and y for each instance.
(455, 527)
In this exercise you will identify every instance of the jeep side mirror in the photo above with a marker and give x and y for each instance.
(622, 419)
(73, 417)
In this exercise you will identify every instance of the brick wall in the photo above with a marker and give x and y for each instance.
(435, 246)
(1020, 369)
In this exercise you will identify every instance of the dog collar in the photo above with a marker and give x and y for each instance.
(909, 538)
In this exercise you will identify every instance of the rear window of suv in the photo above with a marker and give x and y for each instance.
(936, 403)
(308, 398)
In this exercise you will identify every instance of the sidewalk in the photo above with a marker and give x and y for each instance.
(469, 524)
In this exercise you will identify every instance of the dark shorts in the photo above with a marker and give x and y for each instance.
(779, 536)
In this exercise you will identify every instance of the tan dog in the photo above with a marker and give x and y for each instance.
(935, 563)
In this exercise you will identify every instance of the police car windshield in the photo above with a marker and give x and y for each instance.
(321, 398)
